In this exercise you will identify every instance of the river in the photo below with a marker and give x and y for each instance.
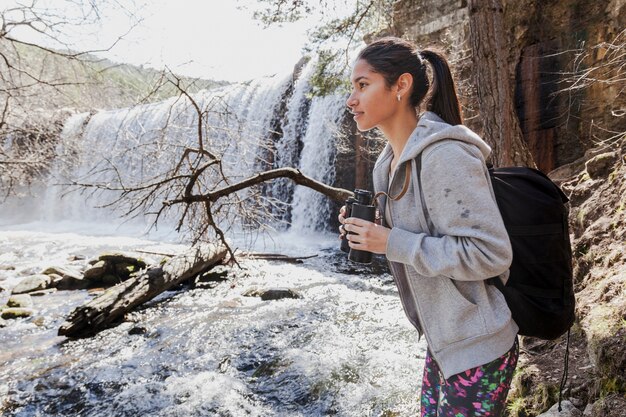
(344, 348)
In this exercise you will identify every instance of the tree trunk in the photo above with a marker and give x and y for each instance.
(107, 308)
(495, 94)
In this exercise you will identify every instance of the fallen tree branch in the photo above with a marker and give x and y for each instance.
(110, 306)
(276, 257)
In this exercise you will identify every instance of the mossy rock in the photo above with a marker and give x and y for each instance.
(16, 312)
(20, 300)
(599, 165)
(124, 269)
(63, 271)
(119, 257)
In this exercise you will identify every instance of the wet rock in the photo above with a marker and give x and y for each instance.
(3, 323)
(32, 283)
(72, 283)
(64, 272)
(118, 257)
(39, 321)
(76, 258)
(138, 330)
(16, 312)
(97, 271)
(7, 268)
(272, 294)
(20, 300)
(568, 410)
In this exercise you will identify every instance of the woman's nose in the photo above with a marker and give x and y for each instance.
(351, 101)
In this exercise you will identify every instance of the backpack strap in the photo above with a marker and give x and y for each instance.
(405, 187)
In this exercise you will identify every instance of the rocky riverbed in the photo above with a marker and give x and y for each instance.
(327, 338)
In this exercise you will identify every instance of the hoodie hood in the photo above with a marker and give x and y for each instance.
(430, 129)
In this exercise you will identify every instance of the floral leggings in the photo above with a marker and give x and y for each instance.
(476, 392)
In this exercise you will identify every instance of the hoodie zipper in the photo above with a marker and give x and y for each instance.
(417, 324)
(401, 286)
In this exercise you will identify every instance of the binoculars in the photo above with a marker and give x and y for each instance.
(359, 206)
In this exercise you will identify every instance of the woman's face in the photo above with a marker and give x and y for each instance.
(372, 103)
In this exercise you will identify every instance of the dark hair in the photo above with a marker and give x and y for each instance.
(392, 57)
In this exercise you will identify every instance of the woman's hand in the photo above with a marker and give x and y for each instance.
(367, 236)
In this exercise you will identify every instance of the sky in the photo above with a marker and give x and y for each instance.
(213, 39)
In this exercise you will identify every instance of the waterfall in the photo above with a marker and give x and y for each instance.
(267, 123)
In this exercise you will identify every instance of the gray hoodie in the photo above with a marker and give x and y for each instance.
(440, 256)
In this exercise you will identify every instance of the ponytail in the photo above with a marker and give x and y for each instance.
(392, 57)
(443, 99)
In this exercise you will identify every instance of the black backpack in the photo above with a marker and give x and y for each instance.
(540, 288)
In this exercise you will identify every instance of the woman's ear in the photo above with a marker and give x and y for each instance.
(404, 83)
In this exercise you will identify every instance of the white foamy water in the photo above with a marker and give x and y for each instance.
(344, 348)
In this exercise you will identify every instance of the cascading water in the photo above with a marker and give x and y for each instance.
(130, 146)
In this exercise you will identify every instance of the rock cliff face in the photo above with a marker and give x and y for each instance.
(551, 45)
(569, 124)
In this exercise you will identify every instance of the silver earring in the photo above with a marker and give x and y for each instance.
(398, 96)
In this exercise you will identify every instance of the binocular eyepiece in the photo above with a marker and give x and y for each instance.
(360, 207)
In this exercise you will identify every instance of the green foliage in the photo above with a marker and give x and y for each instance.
(343, 24)
(329, 76)
(517, 407)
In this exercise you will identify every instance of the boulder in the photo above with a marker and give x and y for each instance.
(110, 279)
(32, 283)
(63, 271)
(97, 271)
(568, 410)
(16, 312)
(73, 283)
(3, 323)
(7, 268)
(20, 300)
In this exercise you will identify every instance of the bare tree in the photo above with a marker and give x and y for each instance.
(38, 66)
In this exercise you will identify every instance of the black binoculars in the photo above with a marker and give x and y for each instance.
(359, 206)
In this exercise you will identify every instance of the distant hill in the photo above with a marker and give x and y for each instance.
(81, 84)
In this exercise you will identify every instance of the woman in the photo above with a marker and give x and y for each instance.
(444, 235)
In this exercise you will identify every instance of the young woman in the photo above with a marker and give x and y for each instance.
(444, 237)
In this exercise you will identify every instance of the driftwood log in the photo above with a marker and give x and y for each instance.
(110, 306)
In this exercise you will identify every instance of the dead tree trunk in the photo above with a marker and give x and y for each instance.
(495, 94)
(107, 308)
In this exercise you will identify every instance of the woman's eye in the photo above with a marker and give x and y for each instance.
(362, 85)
